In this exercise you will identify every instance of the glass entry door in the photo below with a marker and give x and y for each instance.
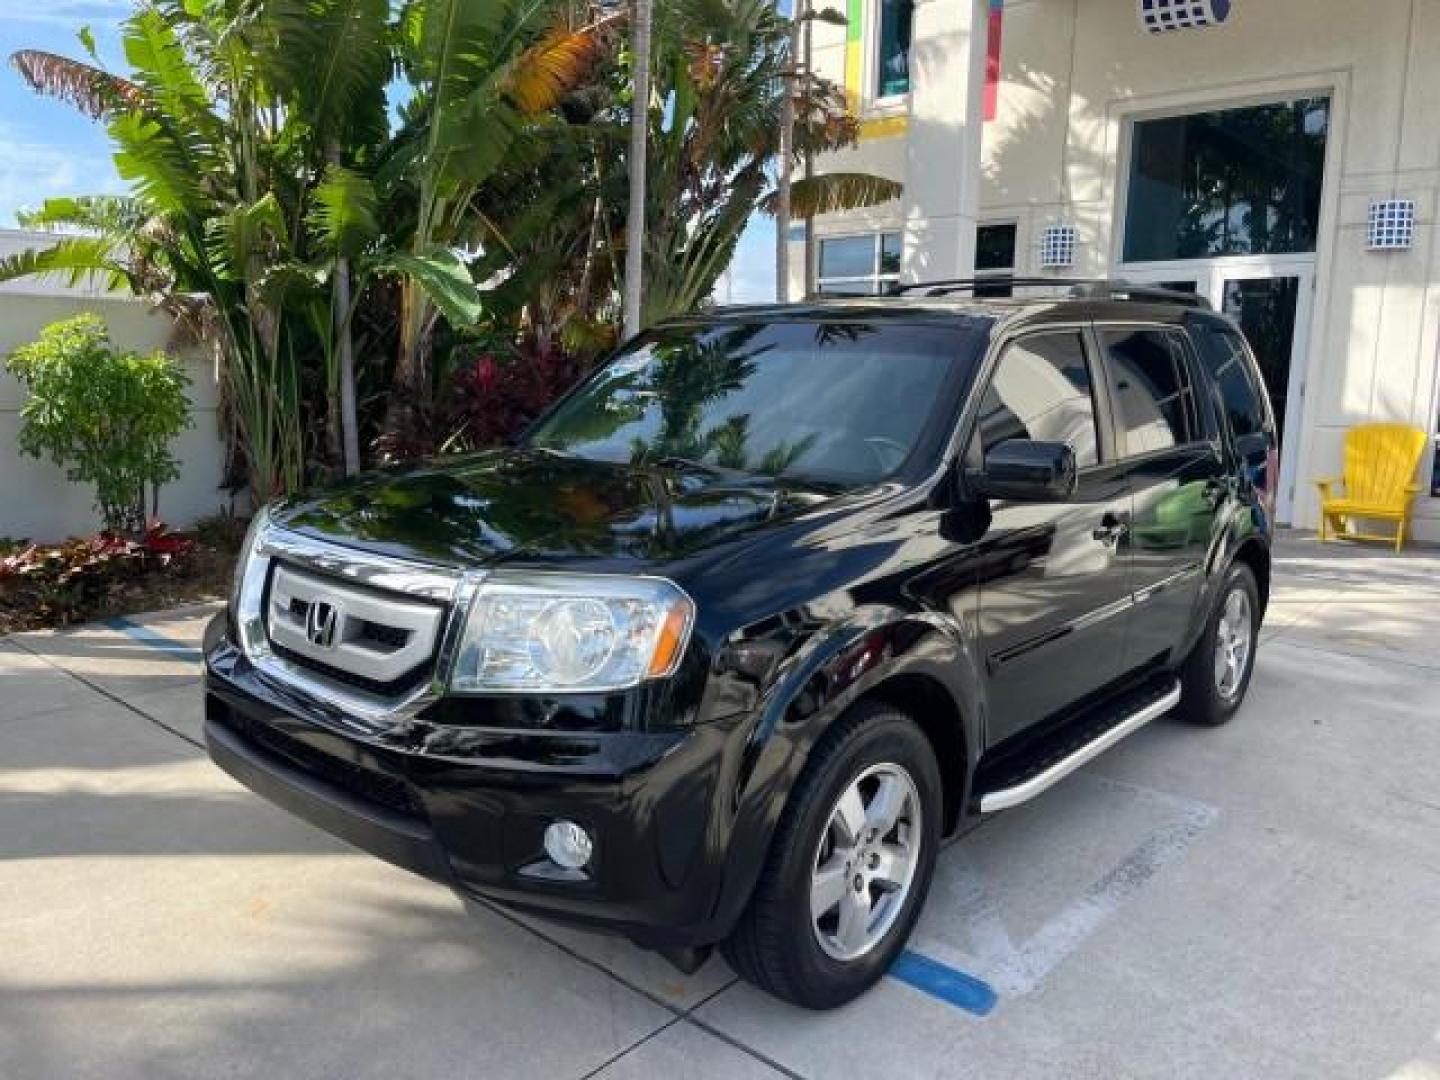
(1270, 298)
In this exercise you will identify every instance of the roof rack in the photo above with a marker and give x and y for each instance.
(1079, 288)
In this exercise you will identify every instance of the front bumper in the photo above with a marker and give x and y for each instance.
(469, 806)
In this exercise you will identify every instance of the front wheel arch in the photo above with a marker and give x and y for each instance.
(938, 715)
(930, 674)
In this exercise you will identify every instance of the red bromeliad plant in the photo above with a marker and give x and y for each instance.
(492, 399)
(62, 579)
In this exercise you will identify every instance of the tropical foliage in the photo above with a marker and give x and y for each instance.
(108, 417)
(356, 202)
(95, 577)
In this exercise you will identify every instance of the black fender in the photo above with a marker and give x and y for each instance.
(1245, 527)
(840, 664)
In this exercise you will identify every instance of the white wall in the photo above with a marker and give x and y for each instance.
(36, 501)
(1053, 154)
(1076, 73)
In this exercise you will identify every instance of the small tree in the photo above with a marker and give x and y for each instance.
(106, 416)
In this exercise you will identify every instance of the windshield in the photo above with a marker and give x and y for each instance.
(844, 403)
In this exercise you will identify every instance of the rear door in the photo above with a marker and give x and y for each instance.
(1054, 586)
(1174, 464)
(1243, 406)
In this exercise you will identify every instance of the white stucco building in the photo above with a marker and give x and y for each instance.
(1242, 159)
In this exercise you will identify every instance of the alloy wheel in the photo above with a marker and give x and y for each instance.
(866, 861)
(1234, 635)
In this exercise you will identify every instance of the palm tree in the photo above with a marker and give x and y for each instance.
(484, 73)
(268, 192)
(725, 73)
(199, 227)
(279, 213)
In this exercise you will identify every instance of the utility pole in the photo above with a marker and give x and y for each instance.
(786, 153)
(809, 174)
(639, 132)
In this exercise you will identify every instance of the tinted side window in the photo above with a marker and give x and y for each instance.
(1153, 398)
(1042, 390)
(1223, 354)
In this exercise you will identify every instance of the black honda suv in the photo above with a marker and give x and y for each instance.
(737, 633)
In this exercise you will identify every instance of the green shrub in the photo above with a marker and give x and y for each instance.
(104, 415)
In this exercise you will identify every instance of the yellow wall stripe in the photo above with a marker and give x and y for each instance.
(884, 127)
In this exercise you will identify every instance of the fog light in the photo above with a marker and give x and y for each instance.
(568, 845)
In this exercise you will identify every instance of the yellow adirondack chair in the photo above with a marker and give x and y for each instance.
(1379, 482)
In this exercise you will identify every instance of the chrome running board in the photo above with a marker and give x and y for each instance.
(1005, 798)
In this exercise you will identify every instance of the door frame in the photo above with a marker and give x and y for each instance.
(1210, 276)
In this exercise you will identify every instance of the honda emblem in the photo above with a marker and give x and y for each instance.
(320, 623)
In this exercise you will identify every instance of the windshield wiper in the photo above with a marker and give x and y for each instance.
(675, 461)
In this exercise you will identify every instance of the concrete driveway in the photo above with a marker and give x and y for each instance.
(1258, 901)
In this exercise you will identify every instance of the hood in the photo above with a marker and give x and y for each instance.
(544, 507)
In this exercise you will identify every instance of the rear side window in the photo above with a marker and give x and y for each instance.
(1154, 401)
(1042, 390)
(1223, 354)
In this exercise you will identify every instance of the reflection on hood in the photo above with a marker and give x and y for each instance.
(482, 509)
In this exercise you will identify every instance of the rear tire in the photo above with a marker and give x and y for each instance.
(1216, 675)
(796, 940)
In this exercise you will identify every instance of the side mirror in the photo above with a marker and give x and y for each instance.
(1024, 471)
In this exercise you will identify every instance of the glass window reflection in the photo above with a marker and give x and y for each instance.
(1232, 182)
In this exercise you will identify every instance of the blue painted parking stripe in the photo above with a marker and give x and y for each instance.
(145, 636)
(950, 985)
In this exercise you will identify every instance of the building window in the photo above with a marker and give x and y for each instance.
(995, 258)
(892, 66)
(1232, 182)
(859, 265)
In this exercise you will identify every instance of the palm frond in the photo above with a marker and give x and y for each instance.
(95, 92)
(73, 260)
(554, 66)
(86, 213)
(444, 278)
(290, 281)
(246, 238)
(830, 193)
(333, 58)
(171, 82)
(159, 168)
(343, 215)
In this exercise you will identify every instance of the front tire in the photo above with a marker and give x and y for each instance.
(849, 866)
(1216, 674)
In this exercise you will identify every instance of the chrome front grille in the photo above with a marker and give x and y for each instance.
(381, 638)
(368, 634)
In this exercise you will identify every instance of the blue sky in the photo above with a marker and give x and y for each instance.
(47, 148)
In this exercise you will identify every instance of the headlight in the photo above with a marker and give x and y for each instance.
(571, 633)
(247, 589)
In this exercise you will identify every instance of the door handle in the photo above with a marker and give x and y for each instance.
(1112, 527)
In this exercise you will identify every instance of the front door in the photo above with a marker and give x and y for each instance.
(1270, 298)
(1054, 587)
